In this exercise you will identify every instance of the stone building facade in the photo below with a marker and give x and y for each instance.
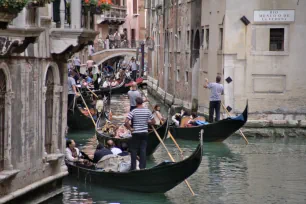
(125, 16)
(256, 46)
(33, 95)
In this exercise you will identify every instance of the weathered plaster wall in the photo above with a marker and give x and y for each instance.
(273, 82)
(28, 123)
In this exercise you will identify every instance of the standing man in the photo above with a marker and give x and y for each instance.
(77, 64)
(72, 91)
(216, 90)
(141, 117)
(133, 94)
(133, 67)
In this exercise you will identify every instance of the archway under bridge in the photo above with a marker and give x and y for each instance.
(104, 55)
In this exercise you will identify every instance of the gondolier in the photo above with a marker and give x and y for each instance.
(215, 98)
(141, 117)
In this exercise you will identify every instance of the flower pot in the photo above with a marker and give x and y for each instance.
(6, 18)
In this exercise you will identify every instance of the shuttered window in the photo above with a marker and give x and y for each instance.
(135, 6)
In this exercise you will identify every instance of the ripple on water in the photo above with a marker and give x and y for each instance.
(269, 170)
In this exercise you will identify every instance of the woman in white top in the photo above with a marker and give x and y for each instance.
(72, 153)
(159, 119)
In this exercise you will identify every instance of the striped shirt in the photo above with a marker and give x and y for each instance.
(140, 117)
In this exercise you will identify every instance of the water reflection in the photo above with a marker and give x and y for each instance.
(268, 170)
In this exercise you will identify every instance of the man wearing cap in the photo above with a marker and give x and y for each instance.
(133, 67)
(142, 117)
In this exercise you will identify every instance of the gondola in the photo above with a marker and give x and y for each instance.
(77, 120)
(158, 179)
(214, 132)
(122, 88)
(153, 141)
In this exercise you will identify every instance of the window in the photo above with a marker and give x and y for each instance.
(221, 38)
(207, 38)
(135, 7)
(188, 37)
(177, 75)
(202, 37)
(186, 76)
(277, 37)
(179, 41)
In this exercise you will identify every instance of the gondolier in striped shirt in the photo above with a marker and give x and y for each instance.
(141, 117)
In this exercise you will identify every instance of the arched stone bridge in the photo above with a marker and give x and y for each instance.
(104, 55)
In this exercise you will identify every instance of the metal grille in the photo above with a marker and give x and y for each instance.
(2, 117)
(277, 36)
(49, 111)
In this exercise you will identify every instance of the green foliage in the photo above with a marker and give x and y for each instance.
(12, 6)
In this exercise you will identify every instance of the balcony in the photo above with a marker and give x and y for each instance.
(115, 16)
(73, 29)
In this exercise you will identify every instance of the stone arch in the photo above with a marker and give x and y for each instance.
(50, 107)
(6, 96)
(116, 55)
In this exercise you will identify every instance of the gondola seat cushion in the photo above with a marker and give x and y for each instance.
(115, 163)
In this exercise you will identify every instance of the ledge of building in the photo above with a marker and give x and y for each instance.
(178, 103)
(8, 174)
(32, 186)
(54, 157)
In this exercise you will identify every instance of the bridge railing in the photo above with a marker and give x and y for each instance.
(116, 44)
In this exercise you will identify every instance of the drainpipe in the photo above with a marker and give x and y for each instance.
(175, 56)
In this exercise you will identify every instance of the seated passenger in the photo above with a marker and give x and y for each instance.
(192, 121)
(124, 148)
(72, 153)
(100, 153)
(111, 147)
(158, 116)
(178, 117)
(106, 84)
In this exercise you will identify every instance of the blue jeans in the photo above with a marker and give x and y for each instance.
(138, 143)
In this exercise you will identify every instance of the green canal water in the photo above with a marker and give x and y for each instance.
(268, 170)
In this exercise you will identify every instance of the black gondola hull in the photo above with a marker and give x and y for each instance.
(158, 179)
(78, 121)
(214, 132)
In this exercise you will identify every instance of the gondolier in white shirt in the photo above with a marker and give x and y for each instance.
(142, 117)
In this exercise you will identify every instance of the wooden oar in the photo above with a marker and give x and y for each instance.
(241, 133)
(87, 107)
(92, 92)
(169, 133)
(172, 159)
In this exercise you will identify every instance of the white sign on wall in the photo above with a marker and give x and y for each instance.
(274, 15)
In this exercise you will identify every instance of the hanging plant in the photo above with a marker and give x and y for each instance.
(11, 6)
(96, 6)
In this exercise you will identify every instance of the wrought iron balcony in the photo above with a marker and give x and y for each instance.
(115, 16)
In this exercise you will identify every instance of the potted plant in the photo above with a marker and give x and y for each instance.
(38, 3)
(96, 6)
(9, 10)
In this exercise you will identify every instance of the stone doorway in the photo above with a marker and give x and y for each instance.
(2, 117)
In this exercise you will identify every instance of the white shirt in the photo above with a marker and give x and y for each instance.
(116, 150)
(176, 122)
(68, 154)
(133, 66)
